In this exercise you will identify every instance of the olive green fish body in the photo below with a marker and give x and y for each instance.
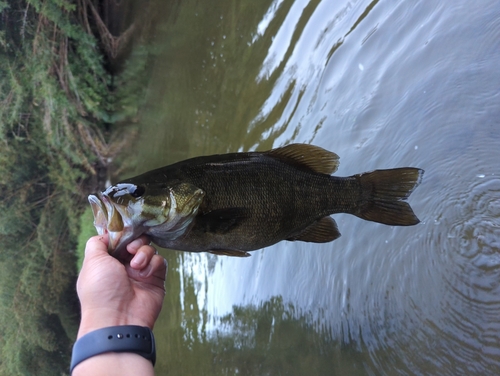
(256, 199)
(252, 202)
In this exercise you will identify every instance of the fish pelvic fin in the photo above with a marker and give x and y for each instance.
(307, 156)
(383, 194)
(323, 230)
(229, 252)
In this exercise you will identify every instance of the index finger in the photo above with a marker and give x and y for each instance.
(134, 246)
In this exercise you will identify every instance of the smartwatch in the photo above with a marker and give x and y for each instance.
(126, 338)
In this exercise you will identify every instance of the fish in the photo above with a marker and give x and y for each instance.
(231, 204)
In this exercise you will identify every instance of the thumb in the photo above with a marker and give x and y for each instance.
(96, 247)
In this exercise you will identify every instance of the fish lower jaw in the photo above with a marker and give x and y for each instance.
(118, 241)
(114, 240)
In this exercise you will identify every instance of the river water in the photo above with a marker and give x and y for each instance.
(383, 84)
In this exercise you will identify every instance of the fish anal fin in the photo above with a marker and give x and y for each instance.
(322, 231)
(309, 156)
(221, 220)
(229, 252)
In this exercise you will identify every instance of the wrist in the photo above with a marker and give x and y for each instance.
(93, 319)
(111, 347)
(110, 364)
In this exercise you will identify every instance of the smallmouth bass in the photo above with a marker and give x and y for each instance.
(230, 204)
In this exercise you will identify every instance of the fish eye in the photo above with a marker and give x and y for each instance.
(137, 191)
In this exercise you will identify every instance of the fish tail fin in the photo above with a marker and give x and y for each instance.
(383, 195)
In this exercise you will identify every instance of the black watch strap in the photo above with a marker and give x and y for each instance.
(125, 338)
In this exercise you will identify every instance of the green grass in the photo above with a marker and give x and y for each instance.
(55, 98)
(87, 230)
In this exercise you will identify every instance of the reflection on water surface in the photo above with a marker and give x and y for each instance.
(383, 84)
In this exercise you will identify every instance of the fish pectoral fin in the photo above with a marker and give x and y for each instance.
(229, 252)
(222, 220)
(309, 156)
(322, 231)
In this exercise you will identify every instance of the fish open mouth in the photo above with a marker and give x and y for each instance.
(108, 220)
(125, 217)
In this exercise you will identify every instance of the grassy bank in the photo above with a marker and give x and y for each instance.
(58, 122)
(87, 230)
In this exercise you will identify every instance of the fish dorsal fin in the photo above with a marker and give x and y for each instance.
(322, 231)
(309, 156)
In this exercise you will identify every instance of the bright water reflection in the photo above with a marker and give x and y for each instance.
(383, 84)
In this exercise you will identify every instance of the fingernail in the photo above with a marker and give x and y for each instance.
(137, 243)
(139, 259)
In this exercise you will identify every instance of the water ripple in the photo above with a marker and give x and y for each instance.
(468, 325)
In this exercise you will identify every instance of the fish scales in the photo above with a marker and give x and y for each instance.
(278, 199)
(247, 201)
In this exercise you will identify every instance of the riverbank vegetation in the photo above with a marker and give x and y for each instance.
(58, 119)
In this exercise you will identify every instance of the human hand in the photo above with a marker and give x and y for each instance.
(112, 293)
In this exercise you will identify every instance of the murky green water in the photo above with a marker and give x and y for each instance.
(383, 84)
